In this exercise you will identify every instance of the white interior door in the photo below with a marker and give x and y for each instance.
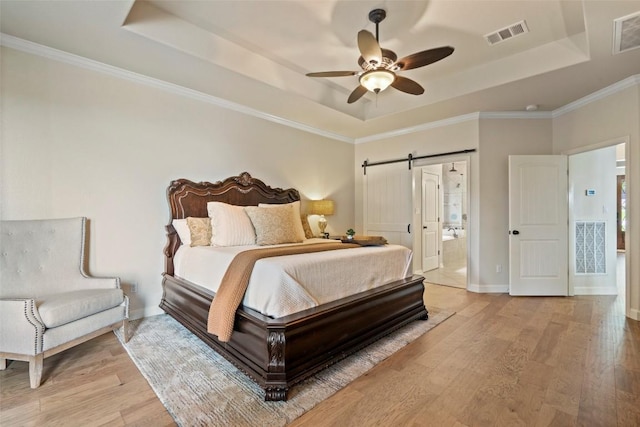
(388, 203)
(430, 221)
(538, 241)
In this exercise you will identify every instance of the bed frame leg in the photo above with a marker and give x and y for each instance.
(275, 394)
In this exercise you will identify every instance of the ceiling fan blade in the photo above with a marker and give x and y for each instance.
(407, 85)
(332, 74)
(426, 57)
(369, 47)
(357, 94)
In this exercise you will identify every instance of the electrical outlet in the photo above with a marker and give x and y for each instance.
(133, 288)
(498, 268)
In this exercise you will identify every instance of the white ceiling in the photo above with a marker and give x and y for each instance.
(256, 53)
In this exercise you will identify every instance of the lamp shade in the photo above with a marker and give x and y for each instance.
(377, 80)
(321, 207)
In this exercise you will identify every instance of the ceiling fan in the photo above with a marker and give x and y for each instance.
(379, 66)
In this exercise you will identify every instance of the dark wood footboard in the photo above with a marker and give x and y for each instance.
(277, 353)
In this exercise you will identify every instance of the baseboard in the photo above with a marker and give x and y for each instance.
(145, 312)
(634, 314)
(488, 289)
(587, 290)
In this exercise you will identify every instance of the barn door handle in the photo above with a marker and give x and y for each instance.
(409, 228)
(515, 232)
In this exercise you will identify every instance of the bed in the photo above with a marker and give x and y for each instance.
(278, 352)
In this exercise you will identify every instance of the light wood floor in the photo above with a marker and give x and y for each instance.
(498, 361)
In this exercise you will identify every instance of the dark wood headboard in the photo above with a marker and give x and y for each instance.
(187, 198)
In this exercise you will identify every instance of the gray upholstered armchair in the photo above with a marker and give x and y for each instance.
(47, 301)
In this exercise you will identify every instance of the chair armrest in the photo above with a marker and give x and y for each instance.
(90, 282)
(21, 329)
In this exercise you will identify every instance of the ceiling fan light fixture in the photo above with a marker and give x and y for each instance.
(377, 80)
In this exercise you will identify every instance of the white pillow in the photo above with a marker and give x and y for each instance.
(230, 225)
(297, 221)
(182, 228)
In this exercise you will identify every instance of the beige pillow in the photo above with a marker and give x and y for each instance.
(273, 225)
(231, 225)
(295, 212)
(308, 234)
(200, 231)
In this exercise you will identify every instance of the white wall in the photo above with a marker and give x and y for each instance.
(595, 170)
(488, 210)
(77, 142)
(611, 120)
(500, 138)
(438, 139)
(80, 143)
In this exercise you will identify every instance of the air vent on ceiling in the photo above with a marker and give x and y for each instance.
(626, 33)
(506, 33)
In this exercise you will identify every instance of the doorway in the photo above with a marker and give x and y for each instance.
(598, 219)
(451, 222)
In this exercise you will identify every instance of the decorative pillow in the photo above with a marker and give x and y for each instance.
(308, 234)
(273, 225)
(200, 230)
(230, 224)
(295, 212)
(182, 228)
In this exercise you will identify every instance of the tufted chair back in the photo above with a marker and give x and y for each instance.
(41, 257)
(48, 303)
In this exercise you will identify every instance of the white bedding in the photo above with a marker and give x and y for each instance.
(287, 284)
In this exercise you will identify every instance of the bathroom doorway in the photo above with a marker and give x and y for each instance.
(451, 269)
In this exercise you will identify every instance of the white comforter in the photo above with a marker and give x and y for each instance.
(287, 284)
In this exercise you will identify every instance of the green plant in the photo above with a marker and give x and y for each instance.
(350, 232)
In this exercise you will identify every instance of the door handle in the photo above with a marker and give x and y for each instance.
(424, 227)
(515, 232)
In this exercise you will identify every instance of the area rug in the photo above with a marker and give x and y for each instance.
(200, 388)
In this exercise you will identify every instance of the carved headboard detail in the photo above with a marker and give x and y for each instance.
(187, 198)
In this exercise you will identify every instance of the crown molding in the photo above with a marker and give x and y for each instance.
(79, 61)
(455, 120)
(82, 62)
(516, 115)
(413, 129)
(597, 95)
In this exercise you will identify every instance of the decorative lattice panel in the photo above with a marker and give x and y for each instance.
(590, 247)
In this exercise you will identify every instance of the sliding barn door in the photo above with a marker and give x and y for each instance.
(388, 203)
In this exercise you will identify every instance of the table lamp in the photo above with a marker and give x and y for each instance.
(322, 208)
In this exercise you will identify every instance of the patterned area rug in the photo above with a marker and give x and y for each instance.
(198, 387)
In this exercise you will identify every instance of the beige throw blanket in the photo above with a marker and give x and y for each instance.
(223, 308)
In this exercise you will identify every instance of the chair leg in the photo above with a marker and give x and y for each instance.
(125, 330)
(35, 369)
(3, 363)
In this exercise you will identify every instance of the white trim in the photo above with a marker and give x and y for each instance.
(597, 146)
(413, 129)
(79, 61)
(597, 95)
(586, 290)
(516, 115)
(145, 312)
(82, 62)
(488, 289)
(633, 314)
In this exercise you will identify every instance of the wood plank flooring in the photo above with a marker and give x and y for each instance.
(499, 360)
